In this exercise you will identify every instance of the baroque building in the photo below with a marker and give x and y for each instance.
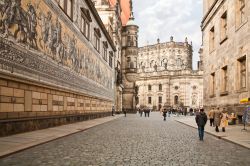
(226, 50)
(56, 64)
(166, 78)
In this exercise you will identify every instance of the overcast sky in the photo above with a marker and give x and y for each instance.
(165, 18)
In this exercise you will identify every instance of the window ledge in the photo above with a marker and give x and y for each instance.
(211, 96)
(242, 90)
(224, 93)
(223, 40)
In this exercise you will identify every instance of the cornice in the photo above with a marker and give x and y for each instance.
(211, 13)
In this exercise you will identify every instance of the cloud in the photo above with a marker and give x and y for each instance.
(165, 18)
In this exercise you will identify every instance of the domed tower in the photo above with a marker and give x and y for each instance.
(129, 62)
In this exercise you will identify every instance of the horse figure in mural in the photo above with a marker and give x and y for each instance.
(51, 37)
(45, 23)
(12, 14)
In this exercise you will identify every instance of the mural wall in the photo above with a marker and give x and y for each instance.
(51, 48)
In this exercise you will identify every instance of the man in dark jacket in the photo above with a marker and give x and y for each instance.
(164, 114)
(201, 120)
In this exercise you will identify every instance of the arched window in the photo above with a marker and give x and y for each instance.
(176, 99)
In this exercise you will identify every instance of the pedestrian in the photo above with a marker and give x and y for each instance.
(164, 114)
(217, 118)
(224, 120)
(141, 112)
(211, 116)
(124, 111)
(185, 111)
(201, 120)
(113, 110)
(169, 111)
(191, 111)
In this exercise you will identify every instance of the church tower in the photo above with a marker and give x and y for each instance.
(129, 62)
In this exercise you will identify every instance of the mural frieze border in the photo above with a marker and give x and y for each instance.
(38, 68)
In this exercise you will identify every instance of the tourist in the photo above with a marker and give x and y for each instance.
(224, 120)
(164, 114)
(201, 120)
(124, 111)
(211, 116)
(113, 110)
(217, 119)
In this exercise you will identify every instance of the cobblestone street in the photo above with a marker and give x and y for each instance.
(134, 140)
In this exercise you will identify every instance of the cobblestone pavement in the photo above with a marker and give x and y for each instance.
(134, 140)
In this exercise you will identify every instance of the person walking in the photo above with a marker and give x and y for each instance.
(217, 119)
(224, 120)
(164, 114)
(211, 117)
(141, 112)
(201, 120)
(113, 110)
(124, 111)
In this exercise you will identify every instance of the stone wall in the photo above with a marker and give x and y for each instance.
(22, 104)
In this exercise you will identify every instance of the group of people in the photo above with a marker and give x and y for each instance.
(218, 118)
(145, 110)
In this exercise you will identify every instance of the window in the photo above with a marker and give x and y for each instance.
(242, 72)
(105, 53)
(149, 87)
(97, 36)
(85, 22)
(212, 86)
(67, 6)
(223, 30)
(240, 12)
(105, 47)
(149, 100)
(160, 87)
(97, 42)
(111, 59)
(85, 27)
(211, 39)
(224, 79)
(160, 99)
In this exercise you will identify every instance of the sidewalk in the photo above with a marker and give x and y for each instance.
(19, 142)
(233, 133)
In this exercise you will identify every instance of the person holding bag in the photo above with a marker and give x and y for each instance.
(224, 120)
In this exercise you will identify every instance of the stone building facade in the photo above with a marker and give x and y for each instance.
(110, 13)
(226, 51)
(166, 78)
(56, 64)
